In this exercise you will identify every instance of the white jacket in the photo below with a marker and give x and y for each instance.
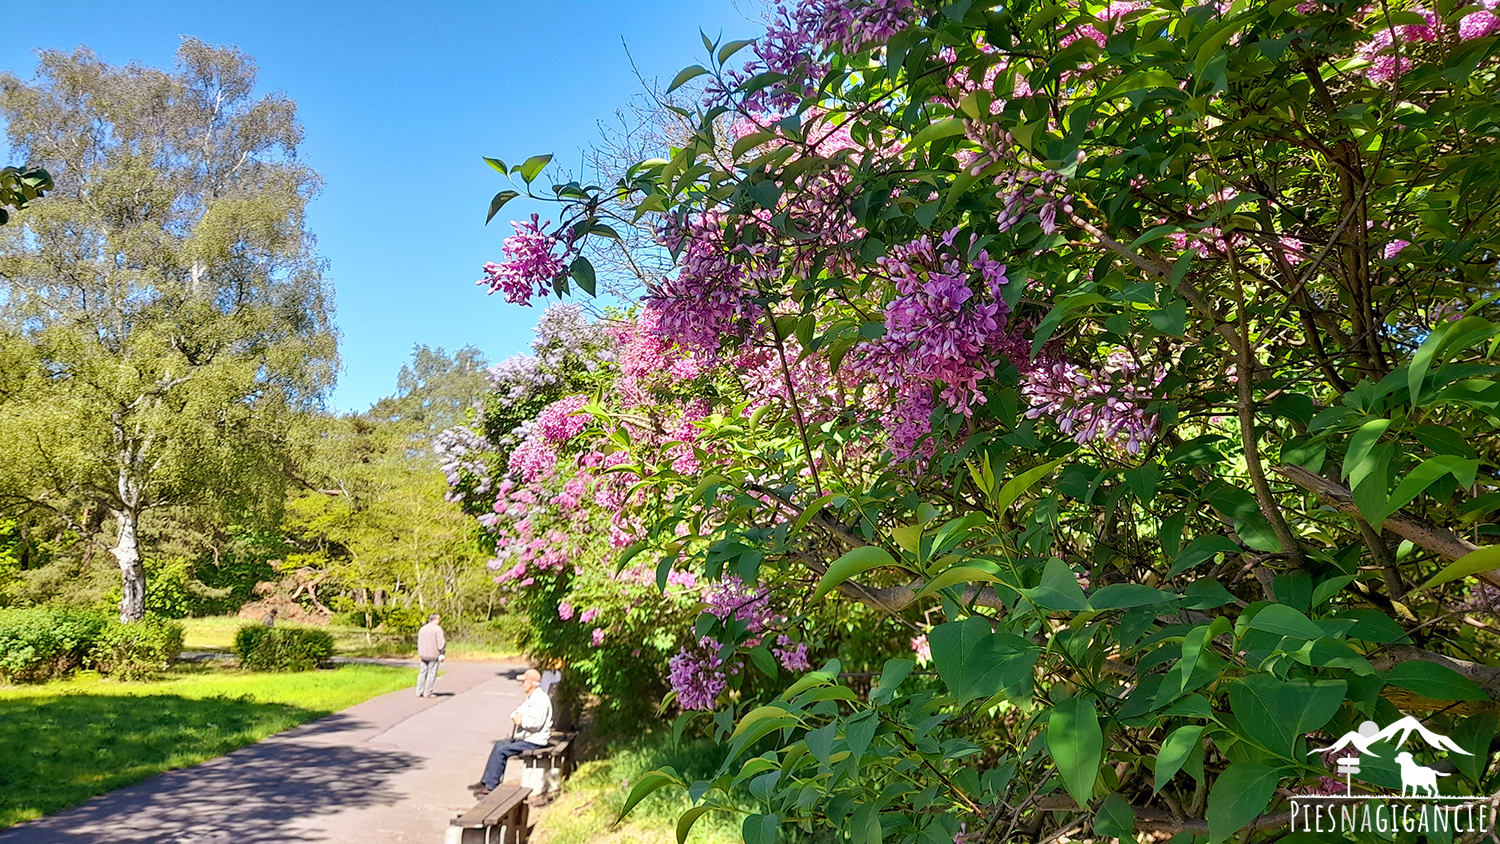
(536, 718)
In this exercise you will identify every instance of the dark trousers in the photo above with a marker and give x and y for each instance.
(495, 768)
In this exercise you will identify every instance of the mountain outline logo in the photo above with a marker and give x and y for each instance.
(1414, 777)
(1421, 807)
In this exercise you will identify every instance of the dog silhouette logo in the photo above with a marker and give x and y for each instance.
(1415, 778)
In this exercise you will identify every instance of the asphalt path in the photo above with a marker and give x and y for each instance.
(391, 769)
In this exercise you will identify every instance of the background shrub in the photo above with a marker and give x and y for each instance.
(136, 651)
(45, 642)
(287, 648)
(405, 620)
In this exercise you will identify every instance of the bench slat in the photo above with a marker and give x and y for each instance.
(495, 805)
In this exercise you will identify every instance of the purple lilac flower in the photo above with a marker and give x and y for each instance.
(529, 265)
(697, 676)
(1394, 248)
(791, 655)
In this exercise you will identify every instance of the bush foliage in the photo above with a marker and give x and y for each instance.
(44, 643)
(282, 648)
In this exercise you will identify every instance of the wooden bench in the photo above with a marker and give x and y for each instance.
(544, 767)
(500, 818)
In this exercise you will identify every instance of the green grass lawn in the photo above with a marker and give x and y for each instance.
(593, 796)
(65, 741)
(216, 633)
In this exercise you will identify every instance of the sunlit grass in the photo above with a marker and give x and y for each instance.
(65, 741)
(216, 633)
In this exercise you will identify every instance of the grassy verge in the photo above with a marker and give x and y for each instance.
(65, 741)
(594, 795)
(216, 634)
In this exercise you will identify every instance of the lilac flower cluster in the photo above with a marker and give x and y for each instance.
(563, 420)
(709, 297)
(697, 676)
(791, 655)
(1382, 52)
(1023, 190)
(529, 265)
(940, 332)
(1105, 402)
(796, 36)
(460, 451)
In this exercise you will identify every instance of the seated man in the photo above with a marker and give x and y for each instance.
(533, 728)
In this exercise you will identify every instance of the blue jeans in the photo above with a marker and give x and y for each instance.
(495, 768)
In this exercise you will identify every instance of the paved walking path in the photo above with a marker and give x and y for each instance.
(391, 769)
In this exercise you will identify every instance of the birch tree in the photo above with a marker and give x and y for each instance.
(164, 311)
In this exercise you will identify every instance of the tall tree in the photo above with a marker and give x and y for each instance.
(164, 312)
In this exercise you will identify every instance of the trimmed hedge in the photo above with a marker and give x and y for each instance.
(136, 651)
(47, 642)
(282, 648)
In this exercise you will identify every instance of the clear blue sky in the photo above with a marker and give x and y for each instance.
(399, 102)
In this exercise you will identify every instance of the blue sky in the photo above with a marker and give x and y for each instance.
(399, 102)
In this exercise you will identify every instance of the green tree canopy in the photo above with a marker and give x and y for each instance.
(165, 309)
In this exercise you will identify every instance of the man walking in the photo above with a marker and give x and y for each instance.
(431, 645)
(533, 728)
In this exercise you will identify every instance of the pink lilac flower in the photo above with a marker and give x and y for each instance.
(731, 597)
(1479, 24)
(1394, 248)
(562, 420)
(685, 579)
(588, 615)
(697, 676)
(565, 611)
(598, 637)
(1382, 48)
(922, 649)
(710, 297)
(1106, 402)
(791, 655)
(941, 332)
(529, 265)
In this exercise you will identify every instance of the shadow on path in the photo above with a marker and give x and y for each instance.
(251, 795)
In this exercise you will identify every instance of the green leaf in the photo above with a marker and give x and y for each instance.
(499, 202)
(1283, 620)
(532, 167)
(1175, 751)
(855, 562)
(690, 817)
(1438, 682)
(1275, 713)
(649, 782)
(1476, 561)
(733, 47)
(1425, 475)
(975, 662)
(1077, 745)
(1238, 797)
(1201, 549)
(583, 272)
(935, 131)
(1361, 446)
(954, 576)
(1170, 320)
(1059, 589)
(687, 75)
(1115, 818)
(1118, 596)
(496, 164)
(1022, 482)
(759, 829)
